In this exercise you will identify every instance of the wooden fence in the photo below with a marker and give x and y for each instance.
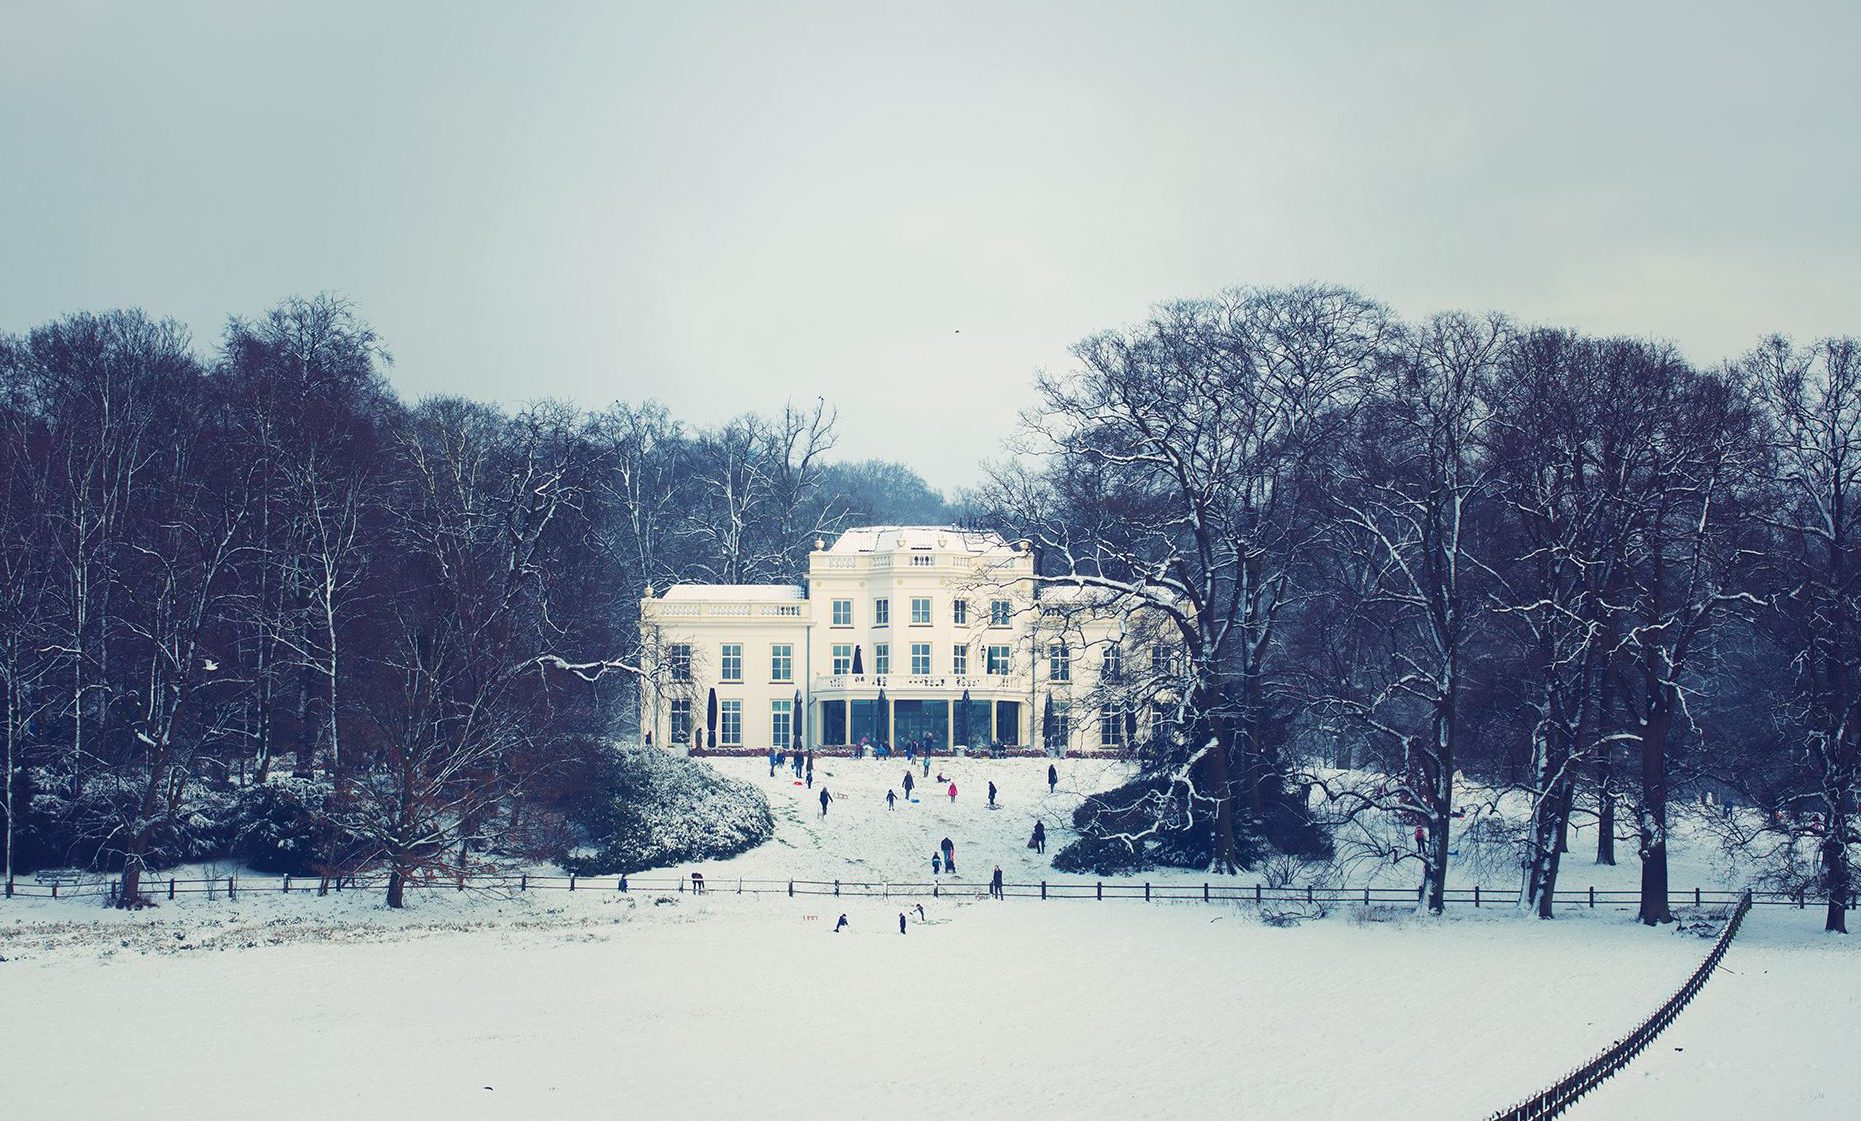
(232, 887)
(1563, 1093)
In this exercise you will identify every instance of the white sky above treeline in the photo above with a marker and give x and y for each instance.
(909, 208)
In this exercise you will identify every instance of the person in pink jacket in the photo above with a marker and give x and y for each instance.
(953, 792)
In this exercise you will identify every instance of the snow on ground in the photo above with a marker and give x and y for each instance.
(548, 1004)
(1771, 1035)
(732, 1006)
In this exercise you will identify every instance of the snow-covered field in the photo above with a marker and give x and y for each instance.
(551, 1005)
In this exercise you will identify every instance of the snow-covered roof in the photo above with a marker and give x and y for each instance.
(886, 538)
(759, 593)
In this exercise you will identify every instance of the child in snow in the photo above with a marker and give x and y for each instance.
(891, 800)
(953, 792)
(901, 922)
(936, 864)
(995, 883)
(991, 795)
(840, 924)
(825, 798)
(920, 912)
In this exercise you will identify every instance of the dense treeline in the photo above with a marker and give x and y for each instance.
(1577, 567)
(254, 603)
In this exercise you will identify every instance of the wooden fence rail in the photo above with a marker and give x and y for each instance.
(1200, 892)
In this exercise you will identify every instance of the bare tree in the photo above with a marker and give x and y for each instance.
(1812, 396)
(1180, 457)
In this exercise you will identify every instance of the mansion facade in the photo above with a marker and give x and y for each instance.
(900, 634)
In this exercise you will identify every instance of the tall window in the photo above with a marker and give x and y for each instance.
(998, 661)
(959, 612)
(1059, 730)
(999, 611)
(681, 720)
(920, 610)
(843, 613)
(843, 658)
(678, 660)
(882, 657)
(730, 662)
(1160, 659)
(959, 660)
(920, 659)
(781, 722)
(881, 612)
(1059, 662)
(1111, 726)
(782, 661)
(1113, 669)
(730, 723)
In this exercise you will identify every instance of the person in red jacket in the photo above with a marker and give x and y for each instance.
(953, 792)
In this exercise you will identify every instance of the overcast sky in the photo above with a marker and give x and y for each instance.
(907, 209)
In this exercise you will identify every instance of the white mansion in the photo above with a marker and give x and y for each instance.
(916, 634)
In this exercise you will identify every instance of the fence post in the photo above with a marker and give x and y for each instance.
(171, 887)
(1366, 897)
(1695, 897)
(1308, 894)
(1476, 896)
(1256, 895)
(287, 883)
(231, 891)
(681, 885)
(791, 889)
(1592, 897)
(836, 887)
(1043, 889)
(1146, 891)
(934, 892)
(54, 889)
(523, 881)
(1100, 889)
(1205, 891)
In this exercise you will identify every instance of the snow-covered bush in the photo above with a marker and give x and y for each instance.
(279, 826)
(664, 809)
(1146, 823)
(90, 826)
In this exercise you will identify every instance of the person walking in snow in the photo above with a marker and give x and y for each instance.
(1040, 836)
(797, 764)
(949, 855)
(891, 800)
(908, 785)
(927, 762)
(1053, 779)
(901, 922)
(991, 795)
(841, 925)
(920, 912)
(995, 883)
(825, 798)
(810, 774)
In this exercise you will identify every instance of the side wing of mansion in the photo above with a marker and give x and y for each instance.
(919, 634)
